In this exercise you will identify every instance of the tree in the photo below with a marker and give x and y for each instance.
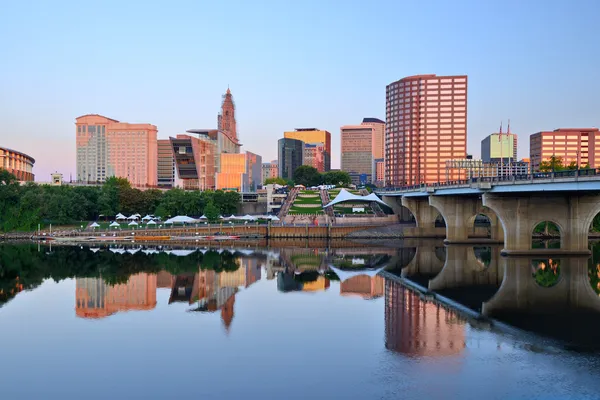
(338, 178)
(211, 212)
(307, 176)
(554, 164)
(277, 181)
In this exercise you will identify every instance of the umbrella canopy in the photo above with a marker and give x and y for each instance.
(94, 225)
(181, 219)
(120, 216)
(115, 224)
(203, 217)
(132, 223)
(151, 222)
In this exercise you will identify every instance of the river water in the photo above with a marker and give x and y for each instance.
(296, 323)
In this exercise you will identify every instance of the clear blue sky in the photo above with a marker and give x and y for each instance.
(289, 64)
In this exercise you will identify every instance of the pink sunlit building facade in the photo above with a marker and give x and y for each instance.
(270, 170)
(107, 147)
(17, 163)
(314, 155)
(426, 125)
(581, 146)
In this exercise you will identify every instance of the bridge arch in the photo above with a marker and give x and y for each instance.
(549, 231)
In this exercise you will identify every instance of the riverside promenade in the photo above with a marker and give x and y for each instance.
(191, 233)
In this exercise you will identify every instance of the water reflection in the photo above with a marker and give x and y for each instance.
(94, 298)
(419, 328)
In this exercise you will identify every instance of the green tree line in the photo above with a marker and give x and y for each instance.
(310, 176)
(556, 164)
(23, 207)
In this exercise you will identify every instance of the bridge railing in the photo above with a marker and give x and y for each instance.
(522, 178)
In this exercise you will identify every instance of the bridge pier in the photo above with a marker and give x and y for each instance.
(459, 213)
(425, 217)
(520, 292)
(519, 215)
(463, 269)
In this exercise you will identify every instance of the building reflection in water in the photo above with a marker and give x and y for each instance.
(210, 290)
(95, 298)
(418, 328)
(364, 286)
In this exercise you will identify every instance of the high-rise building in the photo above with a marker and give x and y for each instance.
(496, 148)
(378, 140)
(17, 163)
(357, 152)
(270, 170)
(166, 164)
(196, 159)
(313, 135)
(107, 147)
(426, 124)
(579, 146)
(314, 155)
(291, 156)
(240, 172)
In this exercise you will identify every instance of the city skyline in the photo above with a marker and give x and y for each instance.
(537, 90)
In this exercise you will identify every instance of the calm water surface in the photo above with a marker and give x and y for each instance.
(277, 323)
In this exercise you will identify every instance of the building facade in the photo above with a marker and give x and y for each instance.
(426, 125)
(17, 163)
(240, 172)
(107, 147)
(166, 164)
(579, 146)
(471, 168)
(379, 171)
(497, 148)
(357, 152)
(314, 155)
(290, 156)
(313, 135)
(270, 170)
(195, 160)
(378, 140)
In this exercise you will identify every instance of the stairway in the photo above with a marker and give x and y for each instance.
(288, 203)
(325, 200)
(374, 206)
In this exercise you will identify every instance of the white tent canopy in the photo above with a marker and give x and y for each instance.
(132, 223)
(115, 224)
(345, 275)
(151, 222)
(133, 217)
(94, 225)
(345, 195)
(181, 219)
(182, 253)
(146, 218)
(248, 217)
(203, 217)
(120, 216)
